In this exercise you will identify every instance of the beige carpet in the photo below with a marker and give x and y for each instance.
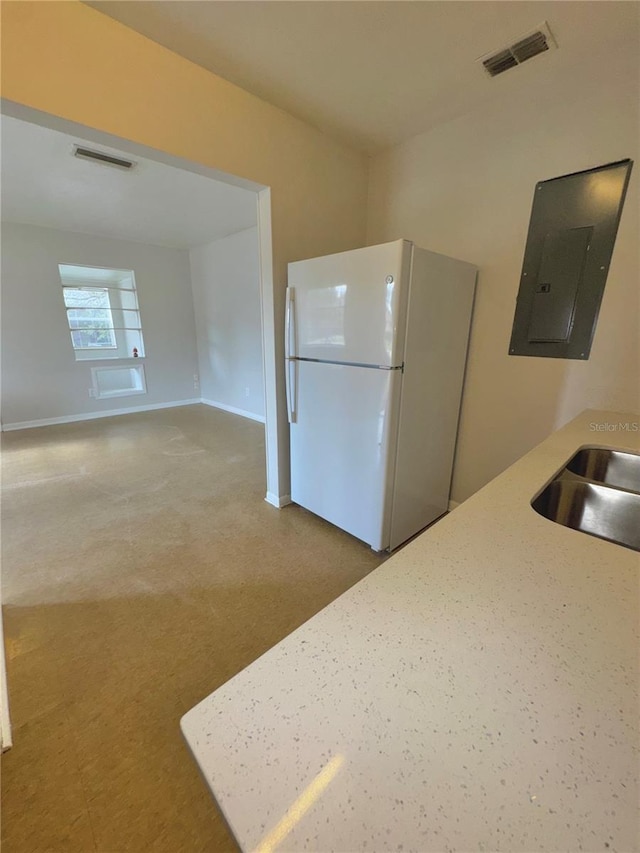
(141, 569)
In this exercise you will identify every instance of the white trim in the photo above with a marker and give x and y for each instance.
(5, 720)
(109, 413)
(276, 429)
(453, 505)
(89, 416)
(276, 501)
(243, 414)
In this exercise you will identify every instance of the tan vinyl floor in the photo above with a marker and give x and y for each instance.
(141, 569)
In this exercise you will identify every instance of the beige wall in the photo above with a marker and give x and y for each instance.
(466, 189)
(68, 60)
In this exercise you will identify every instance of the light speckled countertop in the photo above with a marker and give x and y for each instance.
(478, 691)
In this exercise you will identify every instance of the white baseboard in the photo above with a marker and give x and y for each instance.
(233, 410)
(89, 416)
(453, 505)
(109, 413)
(278, 502)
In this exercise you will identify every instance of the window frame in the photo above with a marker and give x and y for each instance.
(124, 321)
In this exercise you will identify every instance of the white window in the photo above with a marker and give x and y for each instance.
(90, 318)
(102, 312)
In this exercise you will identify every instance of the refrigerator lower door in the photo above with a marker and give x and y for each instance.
(341, 464)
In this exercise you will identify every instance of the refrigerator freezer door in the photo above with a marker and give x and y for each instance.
(341, 464)
(351, 307)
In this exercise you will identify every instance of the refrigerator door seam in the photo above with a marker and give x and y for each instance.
(347, 363)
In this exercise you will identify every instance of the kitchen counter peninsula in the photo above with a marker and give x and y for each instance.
(478, 691)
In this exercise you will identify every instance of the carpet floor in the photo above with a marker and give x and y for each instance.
(141, 569)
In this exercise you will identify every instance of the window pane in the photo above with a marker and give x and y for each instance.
(89, 339)
(85, 298)
(90, 318)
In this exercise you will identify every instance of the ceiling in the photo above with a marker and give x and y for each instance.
(376, 73)
(43, 184)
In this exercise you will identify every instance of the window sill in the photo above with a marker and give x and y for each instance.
(112, 358)
(108, 395)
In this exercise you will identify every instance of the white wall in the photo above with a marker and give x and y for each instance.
(465, 189)
(40, 377)
(225, 278)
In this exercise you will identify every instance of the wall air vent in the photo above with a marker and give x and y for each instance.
(102, 157)
(536, 42)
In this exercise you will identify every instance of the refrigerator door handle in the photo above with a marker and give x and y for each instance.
(290, 324)
(291, 383)
(290, 365)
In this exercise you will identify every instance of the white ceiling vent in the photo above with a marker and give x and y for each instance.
(102, 157)
(534, 43)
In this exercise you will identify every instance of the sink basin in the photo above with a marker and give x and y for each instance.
(598, 510)
(612, 467)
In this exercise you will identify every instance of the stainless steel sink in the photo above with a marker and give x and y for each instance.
(612, 514)
(612, 467)
(596, 492)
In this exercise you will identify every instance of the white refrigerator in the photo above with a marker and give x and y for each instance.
(375, 346)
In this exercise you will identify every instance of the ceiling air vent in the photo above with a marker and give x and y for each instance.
(499, 62)
(101, 157)
(539, 41)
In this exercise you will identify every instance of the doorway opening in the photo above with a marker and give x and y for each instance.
(256, 397)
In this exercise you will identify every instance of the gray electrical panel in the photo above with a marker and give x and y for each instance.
(572, 232)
